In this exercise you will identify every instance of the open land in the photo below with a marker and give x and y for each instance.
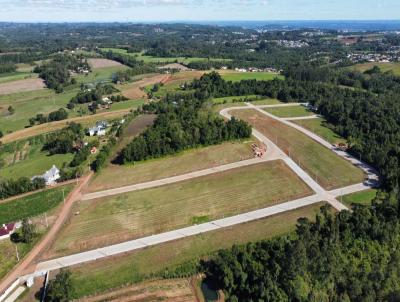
(95, 277)
(362, 198)
(322, 128)
(329, 170)
(15, 76)
(97, 63)
(234, 76)
(188, 161)
(21, 85)
(391, 66)
(290, 111)
(126, 216)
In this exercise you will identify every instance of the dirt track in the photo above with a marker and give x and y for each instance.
(21, 86)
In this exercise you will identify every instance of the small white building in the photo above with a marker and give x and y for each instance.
(50, 177)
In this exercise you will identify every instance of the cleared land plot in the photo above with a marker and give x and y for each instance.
(235, 76)
(22, 85)
(291, 111)
(192, 160)
(133, 215)
(329, 170)
(135, 90)
(53, 126)
(172, 290)
(322, 128)
(391, 66)
(363, 198)
(32, 205)
(118, 271)
(102, 63)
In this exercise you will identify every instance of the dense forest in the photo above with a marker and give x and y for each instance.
(181, 125)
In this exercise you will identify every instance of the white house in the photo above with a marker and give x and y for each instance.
(99, 129)
(51, 176)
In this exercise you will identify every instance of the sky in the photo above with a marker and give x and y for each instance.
(195, 10)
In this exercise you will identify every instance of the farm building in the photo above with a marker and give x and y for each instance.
(99, 129)
(51, 176)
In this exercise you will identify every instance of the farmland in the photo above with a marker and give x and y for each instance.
(126, 216)
(159, 60)
(395, 67)
(188, 161)
(32, 205)
(290, 111)
(95, 277)
(14, 86)
(329, 170)
(322, 128)
(234, 76)
(26, 158)
(15, 76)
(102, 63)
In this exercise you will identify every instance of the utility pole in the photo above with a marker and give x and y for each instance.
(16, 250)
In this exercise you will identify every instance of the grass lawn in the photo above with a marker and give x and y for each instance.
(330, 170)
(291, 111)
(150, 59)
(115, 272)
(254, 99)
(259, 76)
(131, 104)
(100, 75)
(393, 66)
(14, 76)
(363, 197)
(133, 215)
(32, 205)
(196, 159)
(322, 128)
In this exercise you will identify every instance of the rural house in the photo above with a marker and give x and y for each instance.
(51, 176)
(7, 229)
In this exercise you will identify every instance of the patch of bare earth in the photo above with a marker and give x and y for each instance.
(175, 290)
(135, 90)
(21, 86)
(103, 63)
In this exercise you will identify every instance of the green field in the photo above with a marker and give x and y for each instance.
(259, 76)
(32, 205)
(188, 161)
(363, 197)
(392, 66)
(322, 128)
(14, 76)
(133, 215)
(290, 111)
(329, 170)
(26, 158)
(106, 274)
(150, 59)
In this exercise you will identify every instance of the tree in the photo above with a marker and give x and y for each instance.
(60, 289)
(11, 110)
(28, 231)
(1, 134)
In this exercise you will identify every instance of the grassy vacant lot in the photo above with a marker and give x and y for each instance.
(26, 158)
(115, 272)
(395, 67)
(363, 197)
(32, 205)
(235, 76)
(290, 111)
(330, 170)
(150, 59)
(197, 159)
(117, 218)
(322, 128)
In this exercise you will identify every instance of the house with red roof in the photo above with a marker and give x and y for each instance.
(6, 230)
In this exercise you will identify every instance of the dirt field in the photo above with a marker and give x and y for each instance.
(192, 160)
(174, 290)
(49, 127)
(102, 63)
(135, 90)
(327, 168)
(21, 85)
(133, 215)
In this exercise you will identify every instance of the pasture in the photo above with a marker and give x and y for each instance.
(29, 84)
(94, 277)
(132, 215)
(114, 176)
(327, 168)
(391, 66)
(15, 76)
(235, 76)
(32, 205)
(290, 111)
(322, 128)
(97, 63)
